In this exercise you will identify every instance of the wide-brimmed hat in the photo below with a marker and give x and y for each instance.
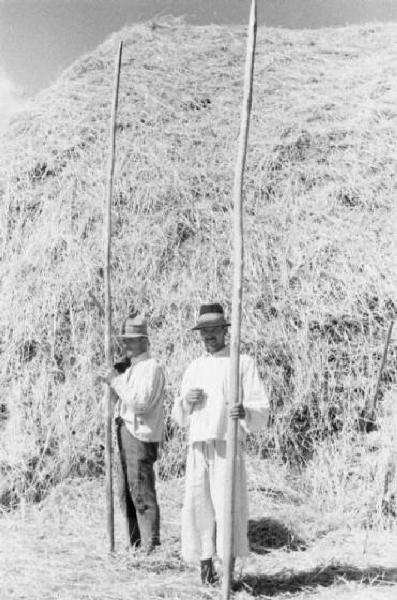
(211, 315)
(133, 327)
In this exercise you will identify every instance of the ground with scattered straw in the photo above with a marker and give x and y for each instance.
(59, 550)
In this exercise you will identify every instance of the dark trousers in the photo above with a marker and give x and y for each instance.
(137, 490)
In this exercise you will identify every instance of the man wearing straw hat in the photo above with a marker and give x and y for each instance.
(203, 407)
(139, 388)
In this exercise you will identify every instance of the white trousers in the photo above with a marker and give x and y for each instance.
(203, 508)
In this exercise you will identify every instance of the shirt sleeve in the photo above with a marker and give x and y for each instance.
(255, 399)
(140, 388)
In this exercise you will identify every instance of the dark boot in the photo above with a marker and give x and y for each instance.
(208, 574)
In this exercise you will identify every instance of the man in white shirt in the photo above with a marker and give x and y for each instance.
(203, 407)
(139, 388)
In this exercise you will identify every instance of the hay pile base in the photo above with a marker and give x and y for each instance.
(58, 551)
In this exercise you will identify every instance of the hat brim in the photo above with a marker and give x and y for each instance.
(132, 336)
(210, 324)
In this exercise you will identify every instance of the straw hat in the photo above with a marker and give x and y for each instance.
(133, 327)
(211, 315)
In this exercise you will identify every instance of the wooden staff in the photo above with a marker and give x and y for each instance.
(108, 309)
(382, 366)
(238, 262)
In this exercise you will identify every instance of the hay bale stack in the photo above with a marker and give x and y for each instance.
(319, 278)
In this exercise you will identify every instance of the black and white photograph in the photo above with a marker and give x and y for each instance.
(198, 299)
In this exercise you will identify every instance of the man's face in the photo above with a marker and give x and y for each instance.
(213, 338)
(135, 346)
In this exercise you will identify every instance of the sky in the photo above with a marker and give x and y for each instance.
(40, 38)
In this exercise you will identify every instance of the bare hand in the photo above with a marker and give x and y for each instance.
(193, 400)
(194, 395)
(237, 412)
(107, 374)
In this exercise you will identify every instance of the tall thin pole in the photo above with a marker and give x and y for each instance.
(382, 366)
(108, 308)
(238, 262)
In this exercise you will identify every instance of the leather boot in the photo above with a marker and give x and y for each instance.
(208, 575)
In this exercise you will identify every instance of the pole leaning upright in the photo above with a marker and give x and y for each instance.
(108, 307)
(238, 265)
(382, 366)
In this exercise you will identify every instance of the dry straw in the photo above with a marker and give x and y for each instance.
(320, 276)
(57, 551)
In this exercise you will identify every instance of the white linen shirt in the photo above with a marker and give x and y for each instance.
(208, 420)
(140, 391)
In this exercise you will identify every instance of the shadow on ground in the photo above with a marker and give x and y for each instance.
(269, 534)
(307, 580)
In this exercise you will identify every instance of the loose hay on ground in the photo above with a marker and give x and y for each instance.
(58, 551)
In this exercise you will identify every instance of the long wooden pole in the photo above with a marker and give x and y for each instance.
(238, 263)
(108, 308)
(382, 366)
